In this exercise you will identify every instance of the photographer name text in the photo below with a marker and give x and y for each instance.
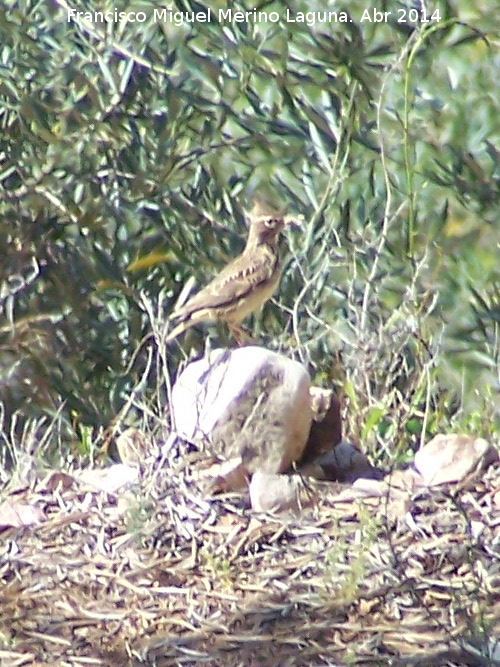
(179, 18)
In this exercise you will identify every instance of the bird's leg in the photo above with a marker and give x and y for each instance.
(239, 335)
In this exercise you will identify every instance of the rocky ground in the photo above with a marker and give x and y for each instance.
(162, 574)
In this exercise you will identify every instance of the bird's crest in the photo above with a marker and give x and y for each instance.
(261, 209)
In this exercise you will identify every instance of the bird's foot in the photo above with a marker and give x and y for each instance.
(240, 336)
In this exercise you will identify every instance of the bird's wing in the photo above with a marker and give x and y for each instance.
(238, 279)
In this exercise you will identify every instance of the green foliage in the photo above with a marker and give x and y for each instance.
(129, 151)
(346, 561)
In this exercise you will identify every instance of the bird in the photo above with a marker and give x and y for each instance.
(244, 284)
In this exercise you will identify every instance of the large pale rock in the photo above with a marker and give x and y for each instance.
(249, 403)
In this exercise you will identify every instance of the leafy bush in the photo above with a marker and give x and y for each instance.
(130, 150)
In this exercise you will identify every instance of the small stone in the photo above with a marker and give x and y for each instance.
(229, 475)
(451, 458)
(278, 493)
(133, 446)
(326, 428)
(345, 463)
(113, 479)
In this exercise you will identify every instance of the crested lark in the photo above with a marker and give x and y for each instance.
(244, 284)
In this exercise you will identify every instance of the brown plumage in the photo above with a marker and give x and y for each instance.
(244, 284)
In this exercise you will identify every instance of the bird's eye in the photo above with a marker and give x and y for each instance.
(271, 222)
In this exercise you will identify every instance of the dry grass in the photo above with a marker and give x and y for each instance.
(163, 576)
